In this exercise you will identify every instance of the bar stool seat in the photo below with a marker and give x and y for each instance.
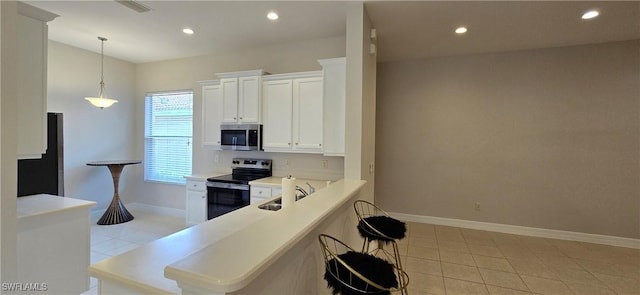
(350, 272)
(382, 228)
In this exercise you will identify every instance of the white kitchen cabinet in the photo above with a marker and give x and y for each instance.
(277, 108)
(276, 191)
(196, 206)
(229, 100)
(260, 194)
(241, 96)
(293, 113)
(32, 42)
(334, 75)
(307, 115)
(212, 107)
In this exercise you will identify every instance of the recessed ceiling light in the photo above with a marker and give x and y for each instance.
(272, 15)
(590, 14)
(188, 31)
(461, 30)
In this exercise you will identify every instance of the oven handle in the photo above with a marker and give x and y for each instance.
(242, 187)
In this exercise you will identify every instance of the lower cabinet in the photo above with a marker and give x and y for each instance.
(196, 207)
(260, 194)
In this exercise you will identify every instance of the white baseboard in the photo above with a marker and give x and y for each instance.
(157, 209)
(522, 230)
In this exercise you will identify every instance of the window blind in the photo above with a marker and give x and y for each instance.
(168, 136)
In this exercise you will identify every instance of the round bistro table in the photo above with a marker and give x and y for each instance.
(116, 213)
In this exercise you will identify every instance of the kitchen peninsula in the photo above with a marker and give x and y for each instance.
(53, 242)
(247, 251)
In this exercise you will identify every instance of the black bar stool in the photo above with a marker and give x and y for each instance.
(350, 272)
(375, 225)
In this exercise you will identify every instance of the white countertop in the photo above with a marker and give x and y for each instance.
(259, 243)
(43, 204)
(276, 181)
(186, 255)
(204, 176)
(144, 266)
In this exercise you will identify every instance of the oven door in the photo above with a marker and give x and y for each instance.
(223, 198)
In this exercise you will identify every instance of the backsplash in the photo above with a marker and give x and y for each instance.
(298, 165)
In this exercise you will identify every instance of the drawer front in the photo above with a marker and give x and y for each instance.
(256, 200)
(193, 185)
(260, 192)
(276, 191)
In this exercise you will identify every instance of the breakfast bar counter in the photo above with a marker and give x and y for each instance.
(248, 251)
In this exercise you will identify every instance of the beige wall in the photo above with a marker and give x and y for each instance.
(90, 133)
(541, 138)
(8, 139)
(185, 73)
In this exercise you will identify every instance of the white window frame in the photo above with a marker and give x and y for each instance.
(163, 162)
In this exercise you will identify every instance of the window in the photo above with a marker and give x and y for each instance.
(167, 136)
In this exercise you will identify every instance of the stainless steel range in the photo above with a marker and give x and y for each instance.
(231, 192)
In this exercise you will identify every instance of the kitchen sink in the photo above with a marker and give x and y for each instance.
(274, 205)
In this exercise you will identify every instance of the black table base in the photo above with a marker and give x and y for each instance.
(116, 213)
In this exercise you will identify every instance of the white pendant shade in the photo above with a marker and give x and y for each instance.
(101, 101)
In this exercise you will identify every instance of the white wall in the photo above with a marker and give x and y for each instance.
(184, 74)
(361, 100)
(545, 138)
(90, 133)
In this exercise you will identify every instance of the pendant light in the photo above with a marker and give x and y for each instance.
(101, 101)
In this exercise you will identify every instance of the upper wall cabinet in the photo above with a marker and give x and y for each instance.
(212, 107)
(32, 37)
(293, 112)
(277, 108)
(241, 96)
(334, 75)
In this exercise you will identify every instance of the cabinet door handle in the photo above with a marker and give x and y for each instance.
(319, 144)
(240, 118)
(234, 118)
(296, 143)
(288, 143)
(203, 197)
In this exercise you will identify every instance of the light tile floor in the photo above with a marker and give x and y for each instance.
(111, 240)
(449, 260)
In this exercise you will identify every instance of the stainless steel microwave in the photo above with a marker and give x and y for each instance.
(241, 137)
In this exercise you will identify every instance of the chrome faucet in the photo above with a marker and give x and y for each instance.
(304, 193)
(311, 188)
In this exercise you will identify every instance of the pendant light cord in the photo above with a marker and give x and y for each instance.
(102, 66)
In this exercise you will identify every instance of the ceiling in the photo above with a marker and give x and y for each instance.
(405, 29)
(409, 30)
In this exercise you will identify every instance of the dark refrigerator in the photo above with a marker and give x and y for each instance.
(45, 175)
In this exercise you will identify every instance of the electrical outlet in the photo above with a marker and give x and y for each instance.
(325, 163)
(286, 162)
(477, 206)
